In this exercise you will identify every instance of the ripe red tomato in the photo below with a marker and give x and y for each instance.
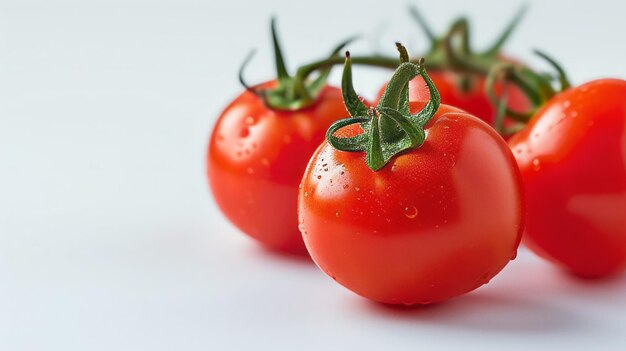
(435, 222)
(256, 159)
(572, 157)
(473, 100)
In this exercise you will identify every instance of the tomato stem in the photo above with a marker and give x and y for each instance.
(389, 128)
(537, 87)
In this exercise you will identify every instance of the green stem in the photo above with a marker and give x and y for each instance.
(389, 129)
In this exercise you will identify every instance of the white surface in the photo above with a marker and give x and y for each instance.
(109, 239)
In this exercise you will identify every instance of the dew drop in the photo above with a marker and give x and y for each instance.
(244, 132)
(346, 186)
(410, 212)
(357, 188)
(306, 193)
(250, 170)
(574, 114)
(250, 120)
(336, 213)
(567, 104)
(319, 177)
(536, 164)
(265, 162)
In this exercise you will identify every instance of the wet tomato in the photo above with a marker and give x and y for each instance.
(572, 157)
(256, 159)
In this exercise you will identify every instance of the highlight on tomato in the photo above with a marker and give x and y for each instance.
(410, 202)
(260, 146)
(572, 157)
(459, 72)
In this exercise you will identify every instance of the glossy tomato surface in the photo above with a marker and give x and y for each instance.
(472, 98)
(434, 223)
(256, 159)
(572, 157)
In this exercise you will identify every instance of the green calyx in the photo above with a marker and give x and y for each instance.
(389, 128)
(291, 92)
(453, 51)
(537, 87)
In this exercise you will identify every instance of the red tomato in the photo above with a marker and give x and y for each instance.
(475, 100)
(572, 157)
(436, 222)
(256, 159)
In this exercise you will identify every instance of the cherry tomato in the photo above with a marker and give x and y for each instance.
(436, 222)
(469, 96)
(256, 159)
(572, 157)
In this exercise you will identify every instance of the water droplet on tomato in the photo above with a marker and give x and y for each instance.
(306, 193)
(357, 188)
(410, 212)
(250, 170)
(250, 120)
(336, 213)
(346, 186)
(265, 162)
(244, 132)
(319, 177)
(536, 164)
(567, 103)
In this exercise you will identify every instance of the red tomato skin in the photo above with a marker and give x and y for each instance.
(255, 161)
(434, 223)
(572, 157)
(475, 101)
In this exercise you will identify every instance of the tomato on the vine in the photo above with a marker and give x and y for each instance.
(260, 147)
(467, 92)
(572, 157)
(460, 73)
(434, 209)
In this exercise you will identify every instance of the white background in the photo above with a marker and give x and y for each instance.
(109, 239)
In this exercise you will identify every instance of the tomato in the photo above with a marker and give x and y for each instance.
(572, 157)
(436, 222)
(256, 159)
(472, 97)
